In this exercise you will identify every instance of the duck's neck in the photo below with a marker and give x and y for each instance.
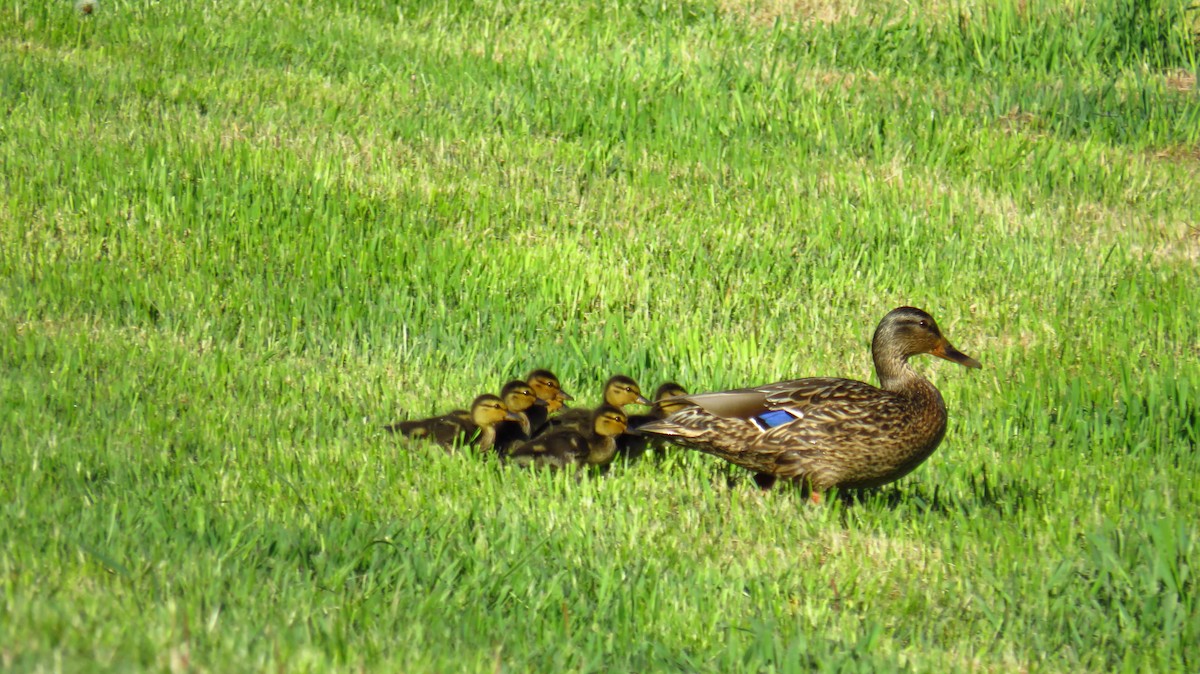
(897, 376)
(894, 371)
(523, 420)
(487, 437)
(601, 449)
(536, 416)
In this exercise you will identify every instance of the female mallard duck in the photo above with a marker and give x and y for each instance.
(568, 446)
(668, 399)
(545, 385)
(455, 430)
(519, 398)
(829, 432)
(619, 391)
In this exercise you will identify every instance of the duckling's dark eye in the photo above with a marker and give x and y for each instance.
(923, 323)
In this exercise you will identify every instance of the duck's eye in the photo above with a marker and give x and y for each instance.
(923, 323)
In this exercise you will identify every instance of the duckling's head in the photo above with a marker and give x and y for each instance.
(545, 385)
(518, 396)
(621, 391)
(608, 421)
(908, 331)
(668, 398)
(488, 410)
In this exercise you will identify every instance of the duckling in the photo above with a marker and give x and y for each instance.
(619, 391)
(570, 447)
(520, 399)
(452, 429)
(667, 401)
(547, 388)
(608, 423)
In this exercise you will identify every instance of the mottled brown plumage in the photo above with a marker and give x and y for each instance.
(619, 391)
(567, 446)
(456, 429)
(824, 431)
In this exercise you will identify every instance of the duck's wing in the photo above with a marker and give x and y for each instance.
(452, 429)
(816, 404)
(555, 449)
(575, 419)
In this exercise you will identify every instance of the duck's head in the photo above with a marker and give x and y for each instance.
(519, 396)
(545, 385)
(621, 391)
(668, 398)
(908, 331)
(608, 421)
(488, 410)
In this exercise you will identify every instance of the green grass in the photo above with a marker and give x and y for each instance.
(237, 238)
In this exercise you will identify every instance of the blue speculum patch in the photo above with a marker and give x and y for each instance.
(774, 418)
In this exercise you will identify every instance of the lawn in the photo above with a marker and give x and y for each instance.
(238, 238)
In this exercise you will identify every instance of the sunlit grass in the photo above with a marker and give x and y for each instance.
(236, 239)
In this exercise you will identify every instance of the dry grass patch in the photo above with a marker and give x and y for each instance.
(884, 552)
(766, 12)
(1179, 154)
(1017, 120)
(1181, 80)
(1182, 250)
(808, 12)
(829, 78)
(1171, 239)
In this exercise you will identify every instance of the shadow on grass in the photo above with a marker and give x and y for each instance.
(1005, 496)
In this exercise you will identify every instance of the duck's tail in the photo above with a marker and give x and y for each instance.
(689, 423)
(409, 429)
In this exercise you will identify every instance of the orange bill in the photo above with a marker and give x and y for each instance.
(945, 350)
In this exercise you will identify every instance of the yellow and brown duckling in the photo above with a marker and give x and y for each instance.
(570, 447)
(456, 430)
(548, 389)
(520, 399)
(668, 399)
(619, 391)
(829, 432)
